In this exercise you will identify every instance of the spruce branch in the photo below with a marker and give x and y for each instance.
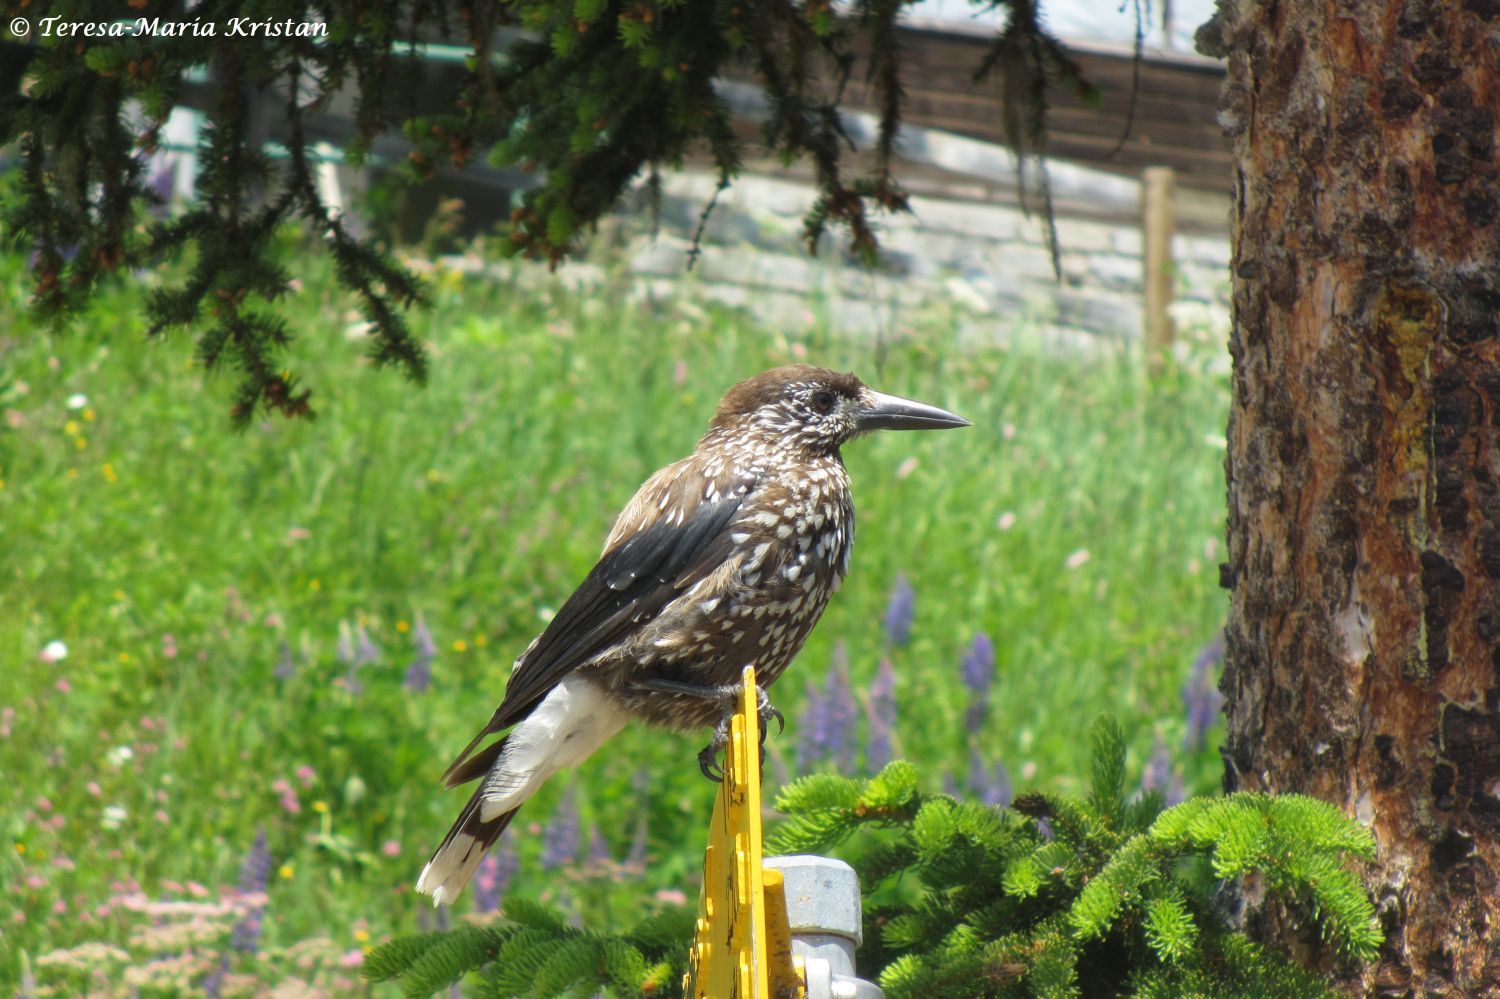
(588, 94)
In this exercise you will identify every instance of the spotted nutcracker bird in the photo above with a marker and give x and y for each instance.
(722, 560)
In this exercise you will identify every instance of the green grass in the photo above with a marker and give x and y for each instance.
(478, 502)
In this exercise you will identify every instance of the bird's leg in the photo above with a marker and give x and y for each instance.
(726, 695)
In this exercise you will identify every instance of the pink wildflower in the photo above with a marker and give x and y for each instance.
(63, 686)
(306, 775)
(391, 848)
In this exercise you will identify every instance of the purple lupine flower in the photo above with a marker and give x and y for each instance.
(365, 649)
(211, 985)
(493, 875)
(1158, 772)
(829, 716)
(950, 785)
(900, 612)
(839, 707)
(1201, 697)
(991, 786)
(563, 834)
(286, 666)
(598, 855)
(419, 673)
(881, 717)
(486, 898)
(978, 672)
(1001, 789)
(814, 721)
(421, 639)
(254, 873)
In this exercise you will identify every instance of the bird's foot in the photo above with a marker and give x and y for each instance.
(708, 759)
(727, 696)
(767, 711)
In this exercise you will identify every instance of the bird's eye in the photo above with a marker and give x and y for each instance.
(822, 402)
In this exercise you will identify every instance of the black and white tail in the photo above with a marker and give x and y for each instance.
(455, 861)
(569, 724)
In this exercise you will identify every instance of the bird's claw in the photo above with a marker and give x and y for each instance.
(767, 711)
(708, 763)
(708, 759)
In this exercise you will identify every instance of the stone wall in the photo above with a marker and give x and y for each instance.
(966, 256)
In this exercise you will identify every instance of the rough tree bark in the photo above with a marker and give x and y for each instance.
(1364, 452)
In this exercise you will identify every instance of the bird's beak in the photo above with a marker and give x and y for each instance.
(889, 412)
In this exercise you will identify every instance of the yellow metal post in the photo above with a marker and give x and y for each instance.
(742, 948)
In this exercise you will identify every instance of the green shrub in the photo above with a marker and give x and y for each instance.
(1060, 896)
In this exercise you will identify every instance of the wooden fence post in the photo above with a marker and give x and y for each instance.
(1157, 222)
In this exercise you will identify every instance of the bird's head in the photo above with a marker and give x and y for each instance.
(814, 410)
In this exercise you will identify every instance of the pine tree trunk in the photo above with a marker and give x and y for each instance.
(1364, 453)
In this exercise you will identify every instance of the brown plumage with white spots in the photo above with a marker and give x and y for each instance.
(721, 560)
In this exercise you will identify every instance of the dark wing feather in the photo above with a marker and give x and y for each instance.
(630, 585)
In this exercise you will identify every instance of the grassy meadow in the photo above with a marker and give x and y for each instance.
(208, 636)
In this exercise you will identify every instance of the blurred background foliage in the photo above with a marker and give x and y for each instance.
(207, 636)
